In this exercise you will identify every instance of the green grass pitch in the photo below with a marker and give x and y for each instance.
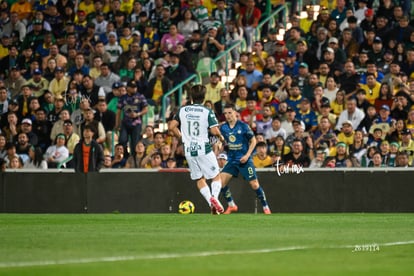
(201, 244)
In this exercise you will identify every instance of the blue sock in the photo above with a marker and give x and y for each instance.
(261, 196)
(226, 193)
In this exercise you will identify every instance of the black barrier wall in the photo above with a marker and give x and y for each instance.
(161, 192)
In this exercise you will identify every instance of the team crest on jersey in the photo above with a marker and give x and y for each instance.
(232, 138)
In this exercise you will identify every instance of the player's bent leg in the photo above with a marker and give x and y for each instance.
(225, 191)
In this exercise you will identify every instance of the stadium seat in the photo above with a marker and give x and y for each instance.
(204, 68)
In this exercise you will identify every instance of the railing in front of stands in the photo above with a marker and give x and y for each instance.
(226, 53)
(271, 19)
(178, 88)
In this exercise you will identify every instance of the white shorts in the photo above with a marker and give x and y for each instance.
(204, 165)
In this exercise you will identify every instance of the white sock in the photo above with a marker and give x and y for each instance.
(215, 188)
(231, 203)
(205, 192)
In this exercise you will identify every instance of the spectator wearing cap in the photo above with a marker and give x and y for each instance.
(80, 22)
(213, 44)
(291, 67)
(34, 37)
(280, 50)
(112, 47)
(14, 82)
(307, 115)
(38, 83)
(26, 127)
(59, 83)
(132, 106)
(347, 133)
(368, 22)
(150, 40)
(352, 113)
(407, 145)
(342, 159)
(340, 56)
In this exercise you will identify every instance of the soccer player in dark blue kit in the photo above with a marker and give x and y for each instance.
(241, 142)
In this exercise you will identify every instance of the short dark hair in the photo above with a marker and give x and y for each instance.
(198, 93)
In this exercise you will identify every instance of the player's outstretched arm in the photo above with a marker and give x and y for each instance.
(216, 132)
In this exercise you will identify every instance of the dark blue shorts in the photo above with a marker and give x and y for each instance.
(247, 170)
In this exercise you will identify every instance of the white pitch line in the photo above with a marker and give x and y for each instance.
(181, 255)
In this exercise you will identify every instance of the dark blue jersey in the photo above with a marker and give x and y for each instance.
(237, 139)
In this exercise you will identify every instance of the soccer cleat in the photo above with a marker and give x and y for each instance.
(213, 210)
(231, 209)
(217, 205)
(266, 210)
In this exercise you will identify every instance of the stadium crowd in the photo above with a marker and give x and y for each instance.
(332, 90)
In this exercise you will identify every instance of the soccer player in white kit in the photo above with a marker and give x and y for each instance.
(192, 124)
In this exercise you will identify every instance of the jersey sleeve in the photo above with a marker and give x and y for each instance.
(212, 120)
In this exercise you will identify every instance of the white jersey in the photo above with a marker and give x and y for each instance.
(195, 122)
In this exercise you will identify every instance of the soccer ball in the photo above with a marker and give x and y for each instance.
(186, 207)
